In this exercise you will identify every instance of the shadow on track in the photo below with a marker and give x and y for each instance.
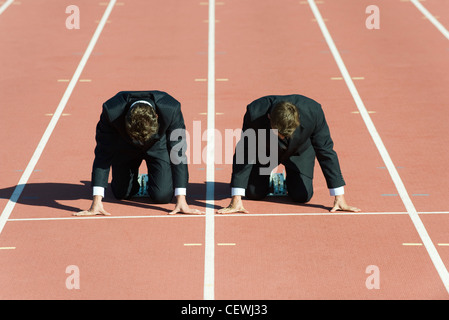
(50, 194)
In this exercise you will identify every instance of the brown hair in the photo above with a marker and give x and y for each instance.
(141, 122)
(285, 118)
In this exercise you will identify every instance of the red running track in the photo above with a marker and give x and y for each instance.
(280, 250)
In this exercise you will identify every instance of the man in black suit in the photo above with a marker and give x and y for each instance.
(136, 126)
(303, 135)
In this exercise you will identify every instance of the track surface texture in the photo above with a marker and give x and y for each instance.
(384, 94)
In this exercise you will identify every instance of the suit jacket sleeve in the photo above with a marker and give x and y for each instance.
(177, 146)
(325, 153)
(106, 138)
(241, 166)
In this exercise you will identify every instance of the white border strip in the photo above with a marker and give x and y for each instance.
(430, 247)
(431, 18)
(209, 250)
(54, 120)
(5, 5)
(180, 216)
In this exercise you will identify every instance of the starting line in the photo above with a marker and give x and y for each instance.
(178, 216)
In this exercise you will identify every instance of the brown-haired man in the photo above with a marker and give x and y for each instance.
(303, 135)
(136, 126)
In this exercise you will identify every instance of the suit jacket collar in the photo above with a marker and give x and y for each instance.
(133, 97)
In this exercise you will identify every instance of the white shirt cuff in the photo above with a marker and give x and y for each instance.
(180, 191)
(98, 191)
(237, 192)
(337, 191)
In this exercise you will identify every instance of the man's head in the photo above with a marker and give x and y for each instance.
(285, 118)
(141, 122)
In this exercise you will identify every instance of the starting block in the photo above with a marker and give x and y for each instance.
(143, 191)
(278, 186)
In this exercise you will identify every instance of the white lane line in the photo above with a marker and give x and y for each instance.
(100, 217)
(5, 5)
(209, 250)
(54, 120)
(249, 215)
(431, 18)
(430, 247)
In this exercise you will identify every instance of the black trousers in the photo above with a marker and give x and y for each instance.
(125, 172)
(299, 185)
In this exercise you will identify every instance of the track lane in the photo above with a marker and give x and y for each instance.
(322, 257)
(350, 147)
(160, 55)
(117, 259)
(266, 242)
(404, 130)
(399, 61)
(279, 63)
(31, 67)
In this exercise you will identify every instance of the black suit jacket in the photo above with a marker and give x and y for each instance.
(313, 132)
(114, 143)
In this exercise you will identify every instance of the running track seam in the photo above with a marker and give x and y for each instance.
(411, 210)
(209, 244)
(431, 18)
(54, 120)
